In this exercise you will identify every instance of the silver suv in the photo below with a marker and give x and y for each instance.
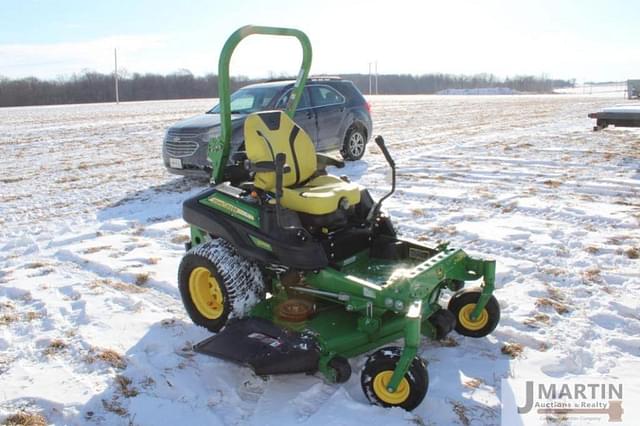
(332, 111)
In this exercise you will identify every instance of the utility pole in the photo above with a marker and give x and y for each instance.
(370, 77)
(115, 74)
(376, 77)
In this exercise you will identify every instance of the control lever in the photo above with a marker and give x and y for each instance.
(375, 210)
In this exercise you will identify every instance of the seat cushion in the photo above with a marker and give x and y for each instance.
(321, 195)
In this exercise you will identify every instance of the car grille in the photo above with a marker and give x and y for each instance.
(182, 144)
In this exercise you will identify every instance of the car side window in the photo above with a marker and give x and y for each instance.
(304, 102)
(324, 95)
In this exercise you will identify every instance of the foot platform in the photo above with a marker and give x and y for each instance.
(266, 347)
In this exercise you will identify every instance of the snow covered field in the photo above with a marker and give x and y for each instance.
(92, 330)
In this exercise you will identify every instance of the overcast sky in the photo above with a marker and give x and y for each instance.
(586, 40)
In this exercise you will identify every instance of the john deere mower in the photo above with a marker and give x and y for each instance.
(297, 270)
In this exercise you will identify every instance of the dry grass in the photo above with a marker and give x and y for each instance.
(417, 212)
(180, 239)
(33, 315)
(592, 275)
(108, 356)
(537, 320)
(68, 179)
(153, 260)
(617, 240)
(560, 308)
(12, 180)
(555, 271)
(448, 230)
(34, 265)
(461, 412)
(123, 384)
(552, 183)
(472, 383)
(96, 249)
(448, 342)
(24, 418)
(55, 347)
(114, 407)
(116, 285)
(7, 319)
(633, 253)
(592, 249)
(555, 294)
(142, 278)
(514, 350)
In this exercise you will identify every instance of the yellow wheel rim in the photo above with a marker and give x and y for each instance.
(380, 384)
(206, 293)
(464, 318)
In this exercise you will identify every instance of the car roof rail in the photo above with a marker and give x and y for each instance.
(275, 80)
(325, 77)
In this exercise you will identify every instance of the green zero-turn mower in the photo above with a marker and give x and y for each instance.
(297, 270)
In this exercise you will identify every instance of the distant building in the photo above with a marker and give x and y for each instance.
(633, 89)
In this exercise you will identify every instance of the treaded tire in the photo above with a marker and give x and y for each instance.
(470, 296)
(342, 368)
(385, 360)
(241, 282)
(354, 144)
(444, 321)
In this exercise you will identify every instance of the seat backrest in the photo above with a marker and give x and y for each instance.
(268, 133)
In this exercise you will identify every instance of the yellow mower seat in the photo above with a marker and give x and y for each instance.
(269, 133)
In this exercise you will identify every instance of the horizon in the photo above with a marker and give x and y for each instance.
(585, 41)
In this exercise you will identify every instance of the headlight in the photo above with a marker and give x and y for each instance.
(214, 132)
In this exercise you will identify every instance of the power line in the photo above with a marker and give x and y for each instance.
(115, 56)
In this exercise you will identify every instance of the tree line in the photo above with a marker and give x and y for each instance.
(97, 87)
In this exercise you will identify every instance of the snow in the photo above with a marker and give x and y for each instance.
(479, 91)
(92, 330)
(631, 109)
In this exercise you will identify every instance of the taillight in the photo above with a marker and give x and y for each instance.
(368, 105)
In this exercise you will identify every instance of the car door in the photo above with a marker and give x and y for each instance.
(305, 116)
(328, 105)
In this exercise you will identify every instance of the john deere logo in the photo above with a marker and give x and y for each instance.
(233, 210)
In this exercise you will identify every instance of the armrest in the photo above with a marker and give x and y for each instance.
(264, 167)
(325, 160)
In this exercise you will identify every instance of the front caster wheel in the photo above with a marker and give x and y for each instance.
(462, 305)
(377, 373)
(341, 367)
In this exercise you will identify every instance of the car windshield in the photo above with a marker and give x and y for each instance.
(249, 99)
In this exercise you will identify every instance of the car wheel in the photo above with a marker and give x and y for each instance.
(354, 144)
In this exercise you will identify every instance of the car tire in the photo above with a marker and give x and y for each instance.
(354, 144)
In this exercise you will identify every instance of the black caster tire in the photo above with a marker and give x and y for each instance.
(377, 372)
(341, 367)
(444, 321)
(462, 304)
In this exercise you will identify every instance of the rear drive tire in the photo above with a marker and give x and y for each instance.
(216, 284)
(354, 144)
